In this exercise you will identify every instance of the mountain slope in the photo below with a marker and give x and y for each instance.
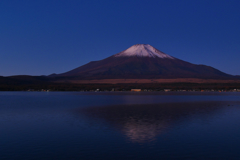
(143, 61)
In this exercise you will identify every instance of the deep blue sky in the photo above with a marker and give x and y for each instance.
(41, 37)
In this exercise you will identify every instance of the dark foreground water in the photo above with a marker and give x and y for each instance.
(119, 125)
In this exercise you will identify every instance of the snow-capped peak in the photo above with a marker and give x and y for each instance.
(143, 50)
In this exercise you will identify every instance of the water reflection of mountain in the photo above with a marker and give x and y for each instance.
(141, 123)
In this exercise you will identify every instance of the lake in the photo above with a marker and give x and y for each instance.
(119, 125)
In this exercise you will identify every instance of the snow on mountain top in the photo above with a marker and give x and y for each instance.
(143, 50)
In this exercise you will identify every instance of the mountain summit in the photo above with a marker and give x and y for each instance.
(143, 50)
(142, 61)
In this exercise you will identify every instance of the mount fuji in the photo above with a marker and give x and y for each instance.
(142, 61)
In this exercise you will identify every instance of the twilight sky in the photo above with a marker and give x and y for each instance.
(41, 37)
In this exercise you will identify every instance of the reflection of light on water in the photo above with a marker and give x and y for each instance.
(140, 131)
(145, 122)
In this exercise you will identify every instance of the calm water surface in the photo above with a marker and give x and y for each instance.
(119, 125)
